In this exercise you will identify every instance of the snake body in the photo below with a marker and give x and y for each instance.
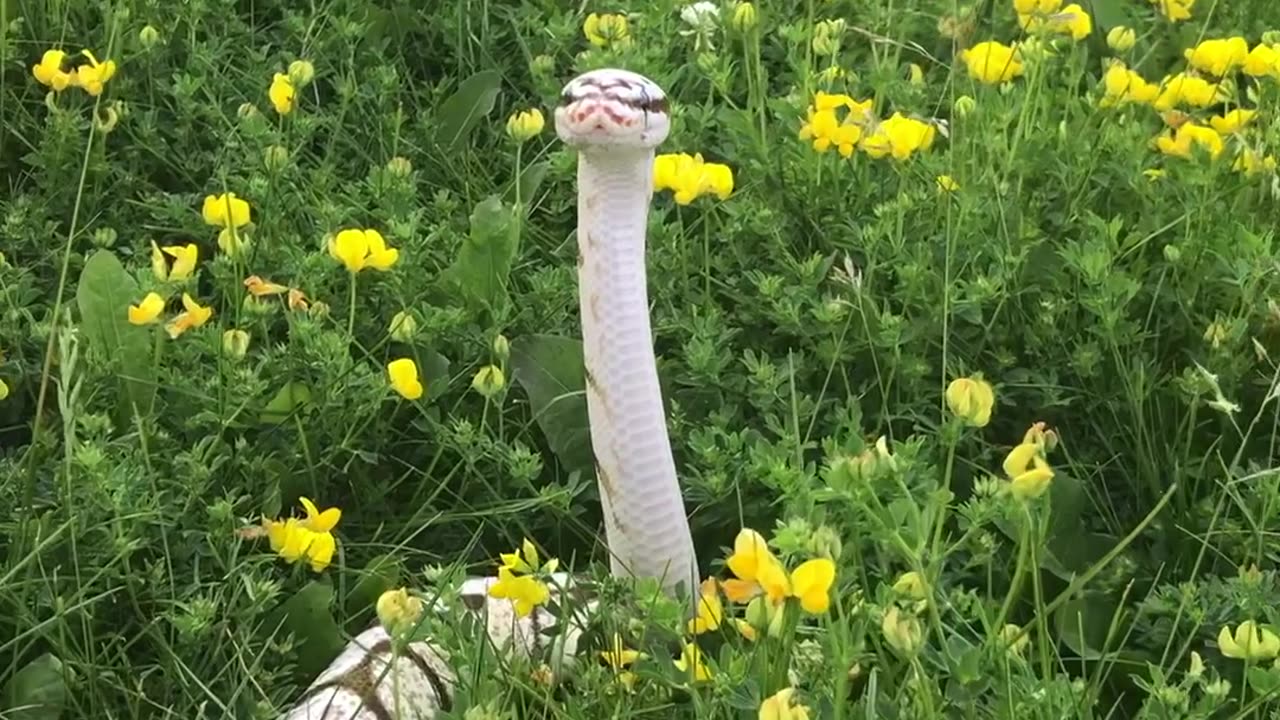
(615, 119)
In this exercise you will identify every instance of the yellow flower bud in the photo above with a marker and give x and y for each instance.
(489, 381)
(403, 327)
(246, 111)
(398, 611)
(525, 124)
(971, 399)
(911, 584)
(965, 105)
(1121, 38)
(148, 37)
(915, 74)
(301, 73)
(902, 631)
(275, 157)
(399, 166)
(4, 390)
(744, 17)
(106, 122)
(235, 343)
(501, 347)
(1016, 644)
(542, 65)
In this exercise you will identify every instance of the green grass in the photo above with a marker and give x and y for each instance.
(827, 303)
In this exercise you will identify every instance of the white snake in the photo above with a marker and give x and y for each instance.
(615, 119)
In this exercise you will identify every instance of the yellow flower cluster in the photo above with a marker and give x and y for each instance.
(689, 177)
(360, 249)
(759, 573)
(518, 579)
(229, 213)
(1207, 81)
(1174, 10)
(971, 399)
(91, 77)
(148, 311)
(836, 120)
(310, 537)
(610, 30)
(1050, 17)
(1251, 642)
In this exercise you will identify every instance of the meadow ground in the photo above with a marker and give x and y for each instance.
(987, 320)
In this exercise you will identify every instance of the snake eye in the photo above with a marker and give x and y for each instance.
(566, 97)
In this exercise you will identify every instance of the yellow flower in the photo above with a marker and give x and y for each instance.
(899, 136)
(1121, 38)
(524, 591)
(147, 311)
(1251, 642)
(225, 211)
(301, 73)
(403, 375)
(194, 315)
(258, 287)
(358, 249)
(749, 560)
(1071, 20)
(525, 560)
(525, 124)
(1184, 89)
(1029, 7)
(311, 537)
(1263, 61)
(1217, 57)
(971, 399)
(618, 656)
(1174, 10)
(184, 260)
(781, 706)
(691, 662)
(282, 93)
(403, 326)
(1233, 121)
(398, 611)
(1187, 136)
(610, 29)
(811, 582)
(946, 183)
(992, 62)
(825, 127)
(235, 343)
(1029, 473)
(93, 76)
(689, 177)
(1250, 163)
(1122, 85)
(49, 70)
(710, 610)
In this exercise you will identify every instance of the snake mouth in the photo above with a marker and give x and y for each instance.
(612, 106)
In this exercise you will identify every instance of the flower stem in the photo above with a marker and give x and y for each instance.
(1024, 542)
(351, 312)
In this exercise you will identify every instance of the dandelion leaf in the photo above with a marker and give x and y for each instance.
(290, 398)
(36, 692)
(459, 114)
(481, 271)
(549, 368)
(306, 616)
(103, 296)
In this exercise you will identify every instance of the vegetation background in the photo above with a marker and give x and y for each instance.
(1124, 296)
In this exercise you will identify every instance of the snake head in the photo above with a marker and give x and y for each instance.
(614, 108)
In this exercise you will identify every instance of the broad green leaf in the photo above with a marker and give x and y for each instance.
(483, 265)
(1082, 623)
(550, 370)
(380, 574)
(103, 296)
(469, 104)
(308, 618)
(290, 398)
(1108, 13)
(433, 372)
(531, 178)
(36, 692)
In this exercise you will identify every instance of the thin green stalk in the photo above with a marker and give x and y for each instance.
(351, 311)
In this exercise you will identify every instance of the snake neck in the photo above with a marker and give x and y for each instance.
(646, 525)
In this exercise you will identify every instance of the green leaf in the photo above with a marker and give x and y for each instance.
(483, 265)
(467, 106)
(292, 397)
(380, 574)
(433, 372)
(307, 617)
(103, 296)
(1109, 13)
(36, 692)
(1082, 623)
(550, 369)
(531, 178)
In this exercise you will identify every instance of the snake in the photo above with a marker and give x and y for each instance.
(615, 119)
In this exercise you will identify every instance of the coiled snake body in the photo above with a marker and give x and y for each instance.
(615, 119)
